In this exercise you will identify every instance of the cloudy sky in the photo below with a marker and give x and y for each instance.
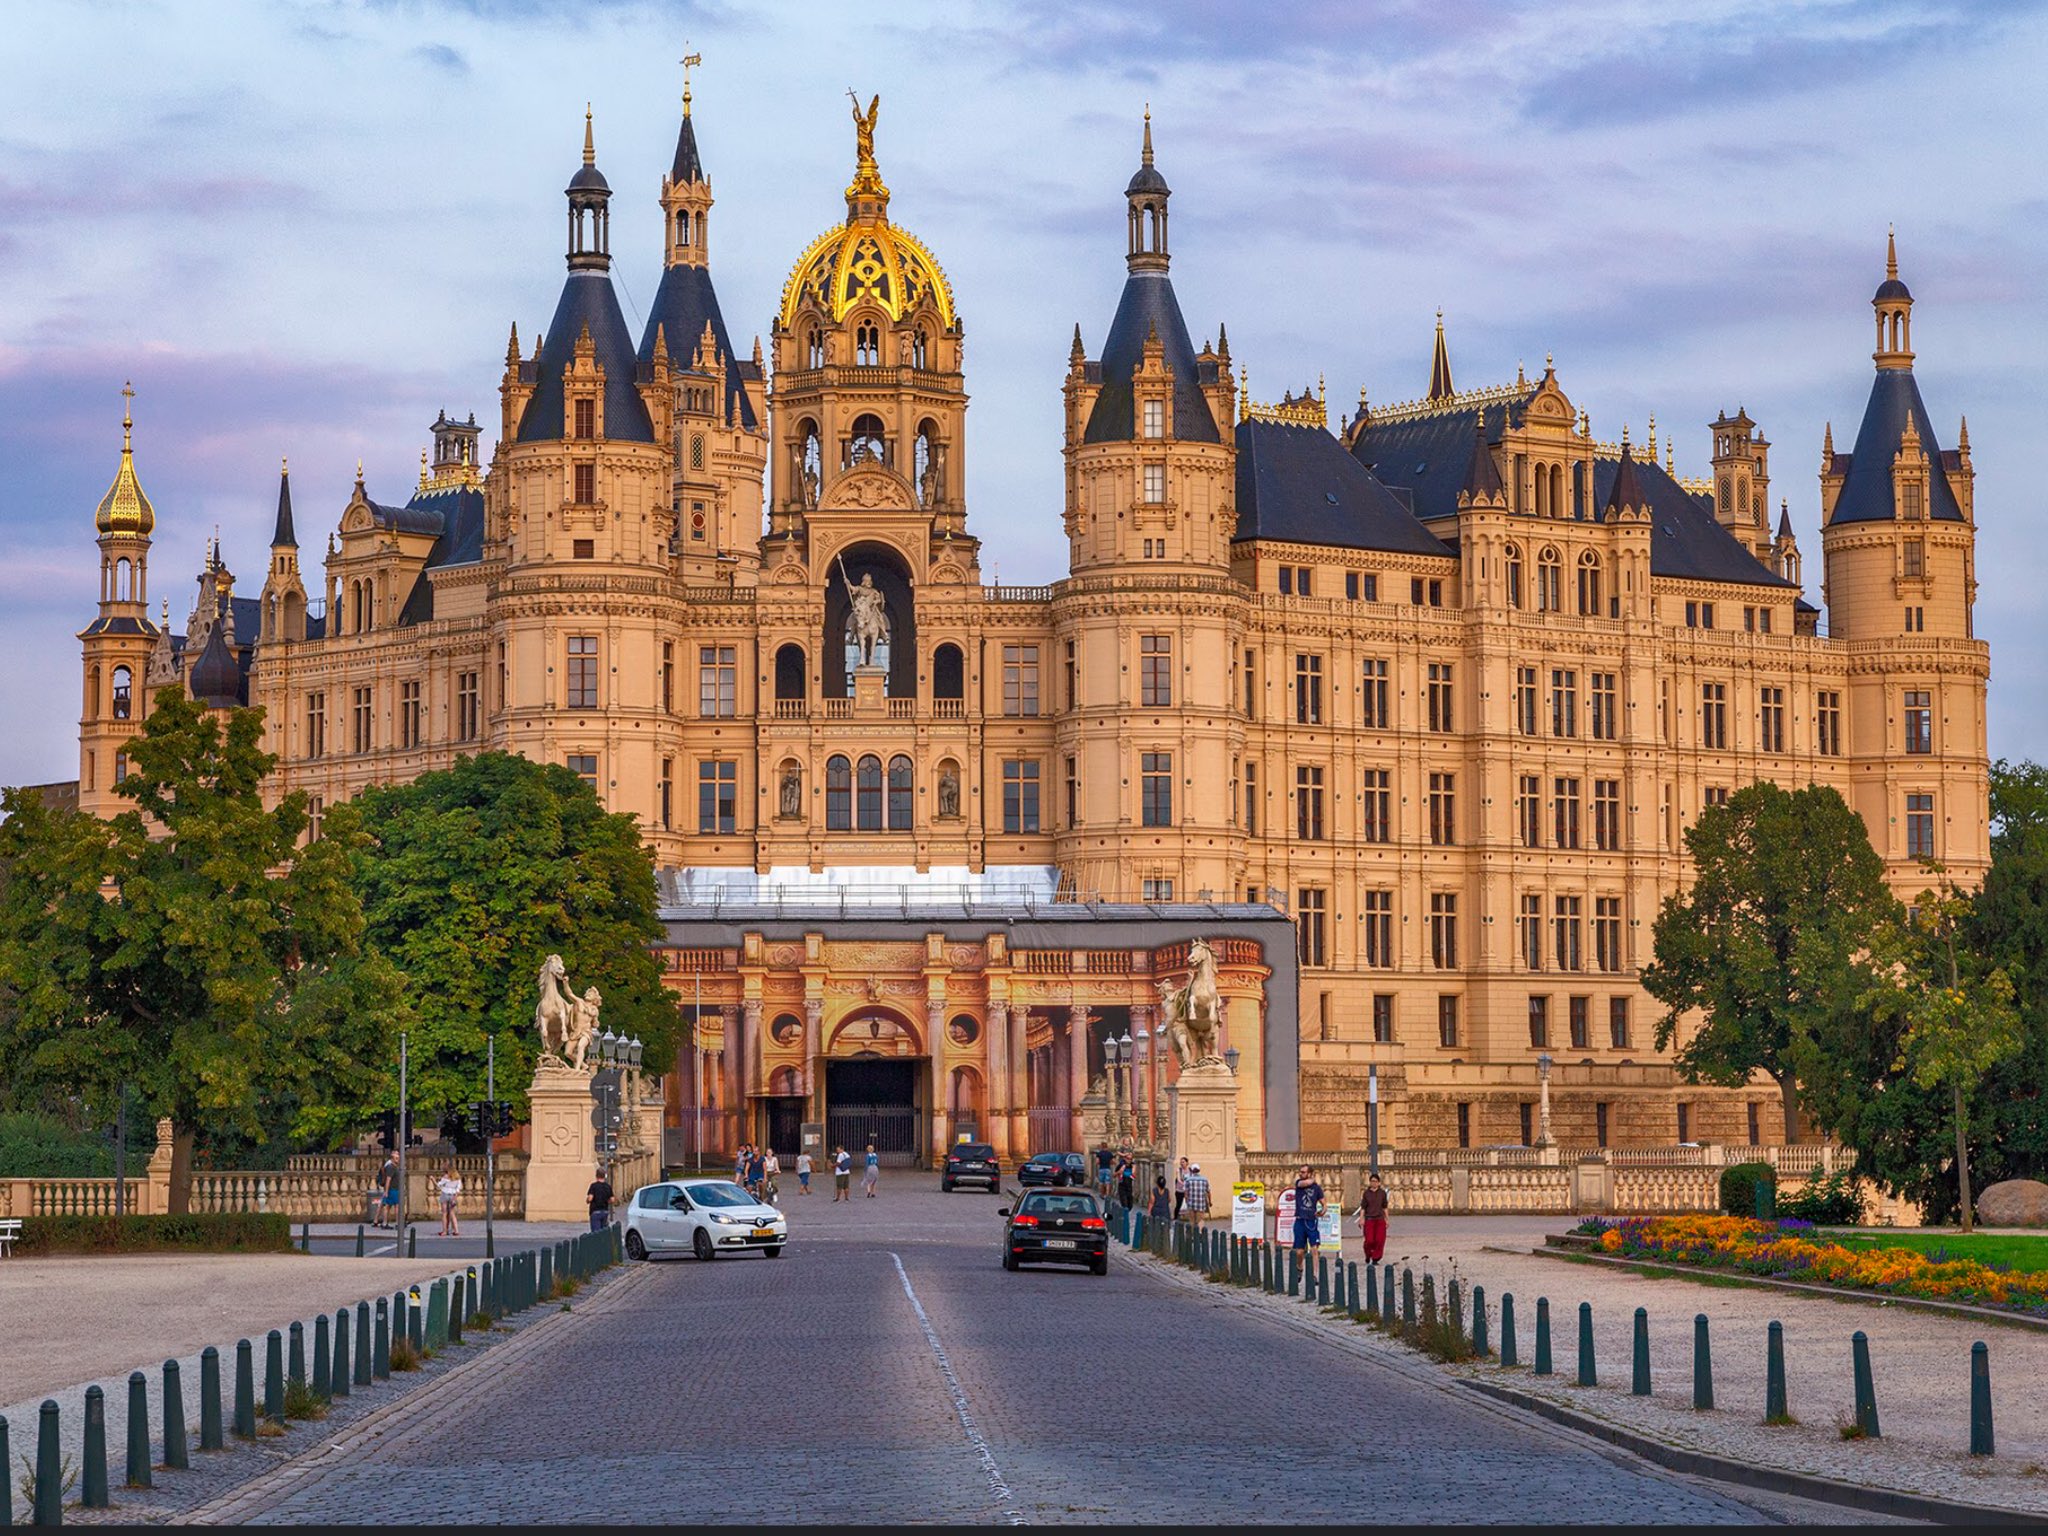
(302, 229)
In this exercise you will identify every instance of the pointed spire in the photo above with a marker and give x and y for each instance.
(512, 347)
(1077, 353)
(1440, 364)
(589, 140)
(1482, 475)
(1145, 157)
(125, 509)
(1827, 444)
(1222, 340)
(1784, 519)
(1963, 437)
(1891, 251)
(1627, 495)
(282, 536)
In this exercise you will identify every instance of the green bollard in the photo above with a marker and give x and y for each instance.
(366, 1359)
(138, 1430)
(1588, 1376)
(1351, 1276)
(1322, 1280)
(337, 1379)
(295, 1356)
(1270, 1257)
(1542, 1366)
(305, 1237)
(1479, 1346)
(1386, 1295)
(1866, 1390)
(1702, 1365)
(487, 1288)
(245, 1390)
(437, 1314)
(49, 1502)
(1508, 1358)
(322, 1361)
(401, 1319)
(1293, 1272)
(210, 1436)
(92, 1477)
(1980, 1400)
(457, 1295)
(273, 1377)
(415, 1321)
(1457, 1309)
(1372, 1293)
(1408, 1297)
(1776, 1410)
(177, 1445)
(380, 1351)
(412, 1242)
(1639, 1384)
(6, 1477)
(359, 1240)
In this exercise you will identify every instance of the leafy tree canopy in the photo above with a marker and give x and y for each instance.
(470, 878)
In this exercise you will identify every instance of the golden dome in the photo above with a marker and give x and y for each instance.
(867, 259)
(125, 509)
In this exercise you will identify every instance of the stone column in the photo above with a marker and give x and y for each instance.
(996, 1079)
(156, 1199)
(1020, 1080)
(814, 1072)
(1077, 1068)
(750, 1062)
(729, 1059)
(935, 1096)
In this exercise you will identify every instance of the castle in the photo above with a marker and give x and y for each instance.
(1443, 685)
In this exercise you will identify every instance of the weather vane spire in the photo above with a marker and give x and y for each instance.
(690, 62)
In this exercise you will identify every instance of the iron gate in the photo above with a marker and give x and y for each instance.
(875, 1100)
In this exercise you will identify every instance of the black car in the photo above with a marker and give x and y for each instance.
(971, 1162)
(1056, 1226)
(1054, 1168)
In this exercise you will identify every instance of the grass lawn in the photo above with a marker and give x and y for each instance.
(2016, 1253)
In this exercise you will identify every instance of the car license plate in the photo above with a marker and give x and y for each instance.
(1059, 1242)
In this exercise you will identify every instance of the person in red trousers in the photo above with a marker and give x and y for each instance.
(1372, 1219)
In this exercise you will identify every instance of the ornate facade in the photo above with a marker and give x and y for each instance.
(1444, 684)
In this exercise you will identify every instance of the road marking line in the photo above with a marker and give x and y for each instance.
(997, 1486)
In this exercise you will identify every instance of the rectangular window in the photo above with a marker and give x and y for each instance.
(1440, 697)
(1308, 804)
(1617, 1023)
(584, 766)
(1714, 716)
(1073, 676)
(718, 790)
(1351, 586)
(120, 767)
(1916, 619)
(1684, 1125)
(1565, 929)
(316, 813)
(1714, 794)
(1155, 418)
(1155, 789)
(1251, 799)
(1770, 720)
(1580, 1013)
(718, 682)
(580, 691)
(1308, 690)
(1749, 619)
(1383, 1018)
(1301, 586)
(1369, 587)
(668, 793)
(586, 417)
(1600, 1124)
(410, 714)
(1251, 683)
(468, 707)
(1919, 826)
(1525, 700)
(1155, 671)
(582, 549)
(1020, 679)
(504, 679)
(1607, 933)
(1600, 704)
(1915, 551)
(1155, 889)
(1919, 722)
(1755, 1139)
(1376, 818)
(1827, 724)
(363, 723)
(1373, 714)
(1539, 1023)
(1763, 620)
(1155, 484)
(1529, 810)
(1377, 920)
(1415, 591)
(1073, 792)
(667, 682)
(1443, 809)
(316, 724)
(1564, 702)
(1528, 1123)
(1443, 930)
(1529, 932)
(1607, 815)
(585, 478)
(1287, 581)
(1564, 801)
(1447, 1037)
(1309, 903)
(1020, 795)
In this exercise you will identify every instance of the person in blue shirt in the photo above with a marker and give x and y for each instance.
(1308, 1210)
(871, 1174)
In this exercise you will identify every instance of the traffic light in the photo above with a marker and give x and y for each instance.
(504, 1123)
(387, 1130)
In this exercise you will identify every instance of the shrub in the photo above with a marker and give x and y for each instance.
(301, 1402)
(1833, 1201)
(1739, 1187)
(200, 1232)
(34, 1145)
(403, 1356)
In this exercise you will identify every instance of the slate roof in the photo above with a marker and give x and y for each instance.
(1296, 483)
(217, 677)
(282, 534)
(683, 302)
(688, 166)
(1866, 495)
(588, 300)
(1428, 456)
(1686, 543)
(1148, 304)
(460, 512)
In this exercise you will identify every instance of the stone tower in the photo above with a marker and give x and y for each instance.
(118, 642)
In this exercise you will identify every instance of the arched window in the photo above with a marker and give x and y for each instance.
(949, 673)
(1514, 567)
(868, 794)
(838, 794)
(867, 441)
(789, 672)
(899, 794)
(1542, 489)
(1557, 506)
(867, 344)
(123, 573)
(918, 355)
(123, 693)
(925, 468)
(92, 693)
(1589, 583)
(815, 350)
(1549, 582)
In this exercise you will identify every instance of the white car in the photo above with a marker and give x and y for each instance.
(705, 1217)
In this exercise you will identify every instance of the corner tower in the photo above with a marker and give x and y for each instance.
(117, 643)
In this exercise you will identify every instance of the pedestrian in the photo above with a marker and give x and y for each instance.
(1180, 1188)
(1162, 1206)
(1103, 1158)
(387, 1181)
(771, 1166)
(1372, 1219)
(1308, 1211)
(599, 1199)
(739, 1164)
(871, 1173)
(842, 1174)
(1197, 1191)
(450, 1189)
(803, 1173)
(1126, 1179)
(757, 1170)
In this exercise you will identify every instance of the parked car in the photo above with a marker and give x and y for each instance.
(705, 1217)
(1056, 1226)
(971, 1162)
(1055, 1168)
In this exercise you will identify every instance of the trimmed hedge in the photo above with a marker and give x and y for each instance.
(210, 1232)
(1739, 1190)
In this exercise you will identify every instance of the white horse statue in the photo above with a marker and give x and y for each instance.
(1194, 1013)
(559, 1017)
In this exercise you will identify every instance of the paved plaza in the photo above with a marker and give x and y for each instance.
(886, 1369)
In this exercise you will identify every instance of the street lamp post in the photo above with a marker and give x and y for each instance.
(1145, 1082)
(1113, 1080)
(1372, 1116)
(1543, 1100)
(1126, 1120)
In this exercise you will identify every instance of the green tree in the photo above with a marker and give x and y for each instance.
(472, 877)
(1768, 943)
(192, 946)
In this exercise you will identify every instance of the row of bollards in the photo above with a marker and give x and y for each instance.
(1277, 1270)
(355, 1353)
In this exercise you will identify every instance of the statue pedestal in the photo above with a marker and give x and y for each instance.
(870, 689)
(564, 1144)
(1201, 1114)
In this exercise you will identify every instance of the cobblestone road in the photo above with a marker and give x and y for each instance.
(886, 1369)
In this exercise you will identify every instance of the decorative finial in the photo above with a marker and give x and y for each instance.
(1147, 157)
(284, 465)
(1521, 374)
(1653, 434)
(1624, 437)
(1891, 251)
(359, 472)
(589, 143)
(127, 415)
(1244, 388)
(1549, 363)
(690, 61)
(1670, 458)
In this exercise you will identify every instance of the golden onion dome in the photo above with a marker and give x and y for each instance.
(125, 509)
(867, 260)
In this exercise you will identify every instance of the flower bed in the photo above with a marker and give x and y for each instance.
(1791, 1250)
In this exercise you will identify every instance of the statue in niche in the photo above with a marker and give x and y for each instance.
(868, 623)
(792, 790)
(949, 791)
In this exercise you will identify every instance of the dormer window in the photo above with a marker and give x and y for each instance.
(1914, 504)
(586, 417)
(1155, 418)
(1155, 484)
